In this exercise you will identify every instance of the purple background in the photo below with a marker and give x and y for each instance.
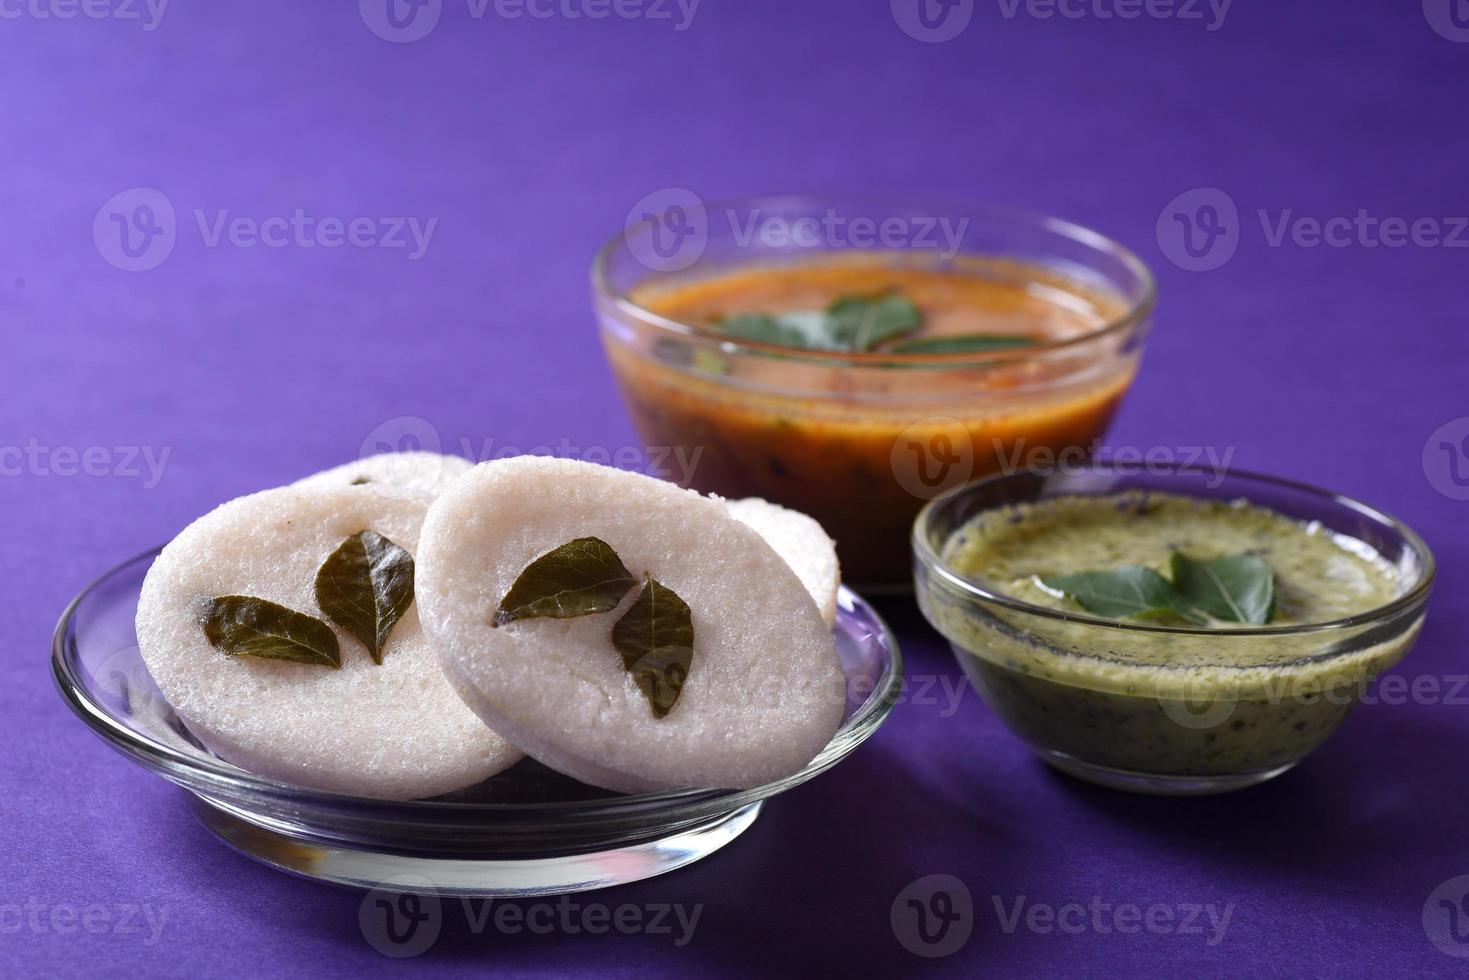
(529, 140)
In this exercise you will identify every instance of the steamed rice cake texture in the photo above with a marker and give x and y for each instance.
(765, 689)
(419, 471)
(802, 542)
(391, 731)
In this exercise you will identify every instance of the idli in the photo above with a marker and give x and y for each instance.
(425, 472)
(624, 631)
(261, 624)
(802, 542)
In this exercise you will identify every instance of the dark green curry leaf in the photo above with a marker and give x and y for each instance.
(244, 626)
(579, 578)
(656, 639)
(860, 323)
(1235, 588)
(365, 587)
(850, 323)
(786, 330)
(964, 343)
(1130, 592)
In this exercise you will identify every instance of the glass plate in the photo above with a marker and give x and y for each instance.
(527, 831)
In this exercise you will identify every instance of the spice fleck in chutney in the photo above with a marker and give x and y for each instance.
(856, 386)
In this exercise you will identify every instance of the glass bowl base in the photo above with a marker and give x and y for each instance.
(293, 849)
(1153, 783)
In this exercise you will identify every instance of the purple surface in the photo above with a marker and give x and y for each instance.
(529, 140)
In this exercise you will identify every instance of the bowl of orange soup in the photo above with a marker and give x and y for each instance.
(853, 361)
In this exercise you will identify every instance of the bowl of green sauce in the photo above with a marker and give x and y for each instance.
(1168, 629)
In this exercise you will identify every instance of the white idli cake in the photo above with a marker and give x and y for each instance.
(424, 472)
(802, 542)
(262, 624)
(625, 631)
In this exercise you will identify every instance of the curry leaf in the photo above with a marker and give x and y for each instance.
(1235, 588)
(579, 578)
(1130, 592)
(656, 639)
(849, 323)
(800, 330)
(365, 587)
(860, 323)
(244, 626)
(964, 343)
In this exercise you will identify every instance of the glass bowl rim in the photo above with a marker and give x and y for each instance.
(975, 589)
(221, 776)
(1137, 311)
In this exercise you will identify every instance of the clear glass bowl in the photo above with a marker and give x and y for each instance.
(528, 831)
(1157, 708)
(861, 441)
